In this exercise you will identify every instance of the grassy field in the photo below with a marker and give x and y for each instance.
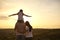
(39, 34)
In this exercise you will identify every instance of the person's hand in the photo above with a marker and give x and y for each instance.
(30, 16)
(9, 15)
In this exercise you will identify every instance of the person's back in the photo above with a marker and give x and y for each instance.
(20, 16)
(20, 31)
(20, 27)
(28, 34)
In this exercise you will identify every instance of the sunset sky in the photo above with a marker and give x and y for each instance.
(45, 13)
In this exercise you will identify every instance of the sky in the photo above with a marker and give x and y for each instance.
(45, 13)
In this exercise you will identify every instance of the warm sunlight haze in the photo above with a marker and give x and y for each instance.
(45, 13)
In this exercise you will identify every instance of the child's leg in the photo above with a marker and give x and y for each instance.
(21, 21)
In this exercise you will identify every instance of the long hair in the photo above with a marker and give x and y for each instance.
(29, 26)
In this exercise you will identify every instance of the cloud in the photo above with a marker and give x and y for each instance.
(3, 17)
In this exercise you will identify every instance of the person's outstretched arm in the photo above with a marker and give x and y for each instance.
(27, 15)
(13, 14)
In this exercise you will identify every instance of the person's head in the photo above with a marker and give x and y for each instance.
(28, 24)
(21, 10)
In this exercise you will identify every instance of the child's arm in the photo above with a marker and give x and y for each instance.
(27, 15)
(13, 14)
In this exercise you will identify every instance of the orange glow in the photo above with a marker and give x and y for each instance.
(45, 14)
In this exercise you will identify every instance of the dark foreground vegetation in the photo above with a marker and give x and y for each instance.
(39, 34)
